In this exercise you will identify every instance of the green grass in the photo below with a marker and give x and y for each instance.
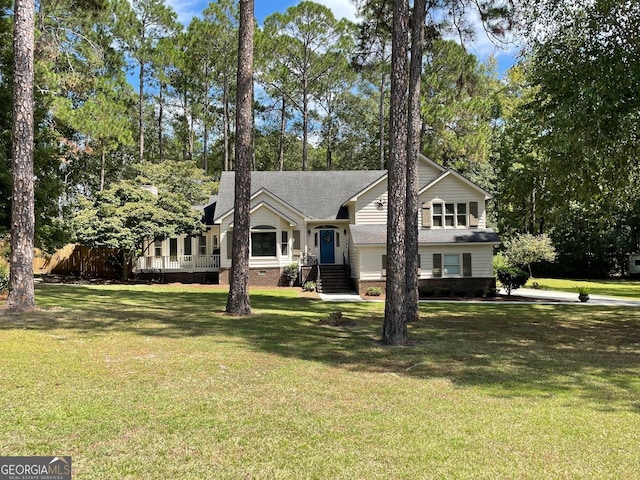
(615, 288)
(156, 382)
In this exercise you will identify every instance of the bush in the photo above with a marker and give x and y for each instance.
(374, 291)
(291, 272)
(309, 287)
(4, 277)
(500, 261)
(512, 278)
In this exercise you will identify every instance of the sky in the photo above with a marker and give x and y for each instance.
(482, 46)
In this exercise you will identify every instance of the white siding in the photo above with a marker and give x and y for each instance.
(354, 258)
(367, 211)
(481, 259)
(370, 260)
(426, 174)
(454, 190)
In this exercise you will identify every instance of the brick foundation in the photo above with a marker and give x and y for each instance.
(438, 287)
(259, 277)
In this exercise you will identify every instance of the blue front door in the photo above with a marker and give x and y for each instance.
(327, 250)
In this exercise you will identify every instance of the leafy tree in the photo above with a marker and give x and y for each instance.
(306, 45)
(21, 285)
(125, 215)
(238, 299)
(146, 22)
(458, 106)
(525, 249)
(586, 69)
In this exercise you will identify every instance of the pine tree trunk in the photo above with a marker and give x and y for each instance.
(283, 125)
(225, 118)
(141, 114)
(413, 149)
(305, 126)
(381, 121)
(238, 299)
(394, 329)
(21, 286)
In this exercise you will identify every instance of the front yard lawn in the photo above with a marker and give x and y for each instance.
(614, 288)
(156, 382)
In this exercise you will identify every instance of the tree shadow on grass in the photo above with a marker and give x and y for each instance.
(512, 350)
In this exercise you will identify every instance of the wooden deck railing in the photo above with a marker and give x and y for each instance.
(179, 263)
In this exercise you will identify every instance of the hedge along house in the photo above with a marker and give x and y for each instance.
(333, 224)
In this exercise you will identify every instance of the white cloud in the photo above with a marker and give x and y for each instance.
(186, 9)
(341, 8)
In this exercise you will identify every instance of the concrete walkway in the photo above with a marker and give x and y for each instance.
(547, 296)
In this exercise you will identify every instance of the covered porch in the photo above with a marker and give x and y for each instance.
(178, 264)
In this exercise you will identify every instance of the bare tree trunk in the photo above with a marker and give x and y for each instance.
(413, 147)
(381, 120)
(102, 166)
(160, 115)
(225, 118)
(238, 299)
(205, 148)
(283, 126)
(305, 127)
(21, 286)
(141, 114)
(394, 329)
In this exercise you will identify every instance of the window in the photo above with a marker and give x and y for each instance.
(263, 244)
(157, 248)
(449, 214)
(187, 246)
(451, 264)
(284, 246)
(202, 245)
(337, 239)
(461, 218)
(437, 215)
(446, 215)
(173, 249)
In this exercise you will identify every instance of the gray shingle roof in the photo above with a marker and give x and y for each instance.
(317, 194)
(377, 235)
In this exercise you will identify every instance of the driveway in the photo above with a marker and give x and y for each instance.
(556, 296)
(536, 296)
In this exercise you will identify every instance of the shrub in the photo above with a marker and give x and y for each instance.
(374, 291)
(500, 261)
(4, 277)
(309, 287)
(583, 289)
(512, 278)
(291, 272)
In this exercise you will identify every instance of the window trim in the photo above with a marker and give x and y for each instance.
(272, 232)
(446, 214)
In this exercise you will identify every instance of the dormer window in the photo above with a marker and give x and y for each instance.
(449, 215)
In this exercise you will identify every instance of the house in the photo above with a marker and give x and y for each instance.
(333, 223)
